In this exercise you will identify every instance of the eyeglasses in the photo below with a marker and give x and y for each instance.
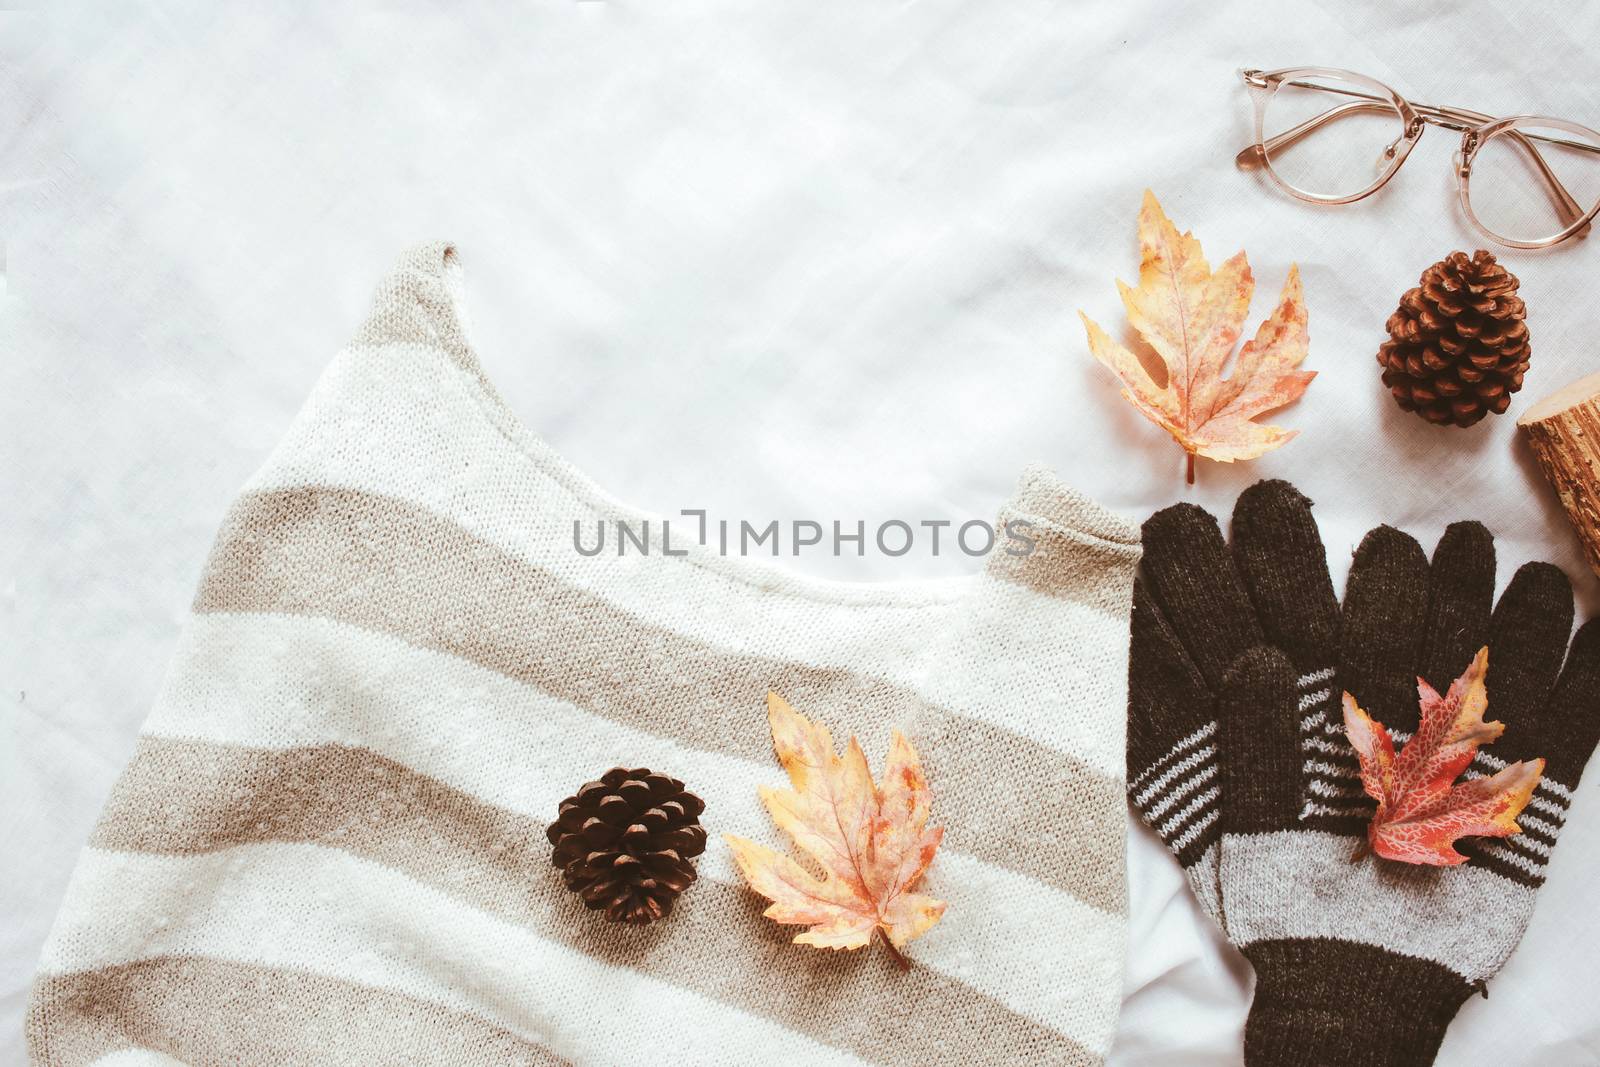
(1528, 181)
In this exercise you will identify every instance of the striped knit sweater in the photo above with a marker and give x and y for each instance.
(329, 844)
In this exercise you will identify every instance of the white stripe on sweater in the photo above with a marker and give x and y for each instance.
(137, 1057)
(322, 910)
(513, 746)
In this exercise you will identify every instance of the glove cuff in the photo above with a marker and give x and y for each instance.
(1334, 1003)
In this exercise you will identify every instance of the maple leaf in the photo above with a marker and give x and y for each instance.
(1422, 810)
(872, 842)
(1192, 318)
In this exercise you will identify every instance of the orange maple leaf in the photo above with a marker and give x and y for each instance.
(872, 842)
(1421, 812)
(1193, 318)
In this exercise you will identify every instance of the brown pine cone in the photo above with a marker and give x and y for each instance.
(1458, 344)
(624, 843)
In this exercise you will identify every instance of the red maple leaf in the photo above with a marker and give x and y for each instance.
(1422, 810)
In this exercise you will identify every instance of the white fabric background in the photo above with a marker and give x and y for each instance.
(783, 260)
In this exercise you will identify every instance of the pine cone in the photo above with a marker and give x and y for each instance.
(624, 843)
(1458, 343)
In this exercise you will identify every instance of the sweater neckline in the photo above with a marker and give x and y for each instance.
(1038, 491)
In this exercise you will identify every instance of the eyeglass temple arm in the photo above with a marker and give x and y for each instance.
(1255, 156)
(1437, 112)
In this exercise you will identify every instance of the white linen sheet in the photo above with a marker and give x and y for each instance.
(782, 260)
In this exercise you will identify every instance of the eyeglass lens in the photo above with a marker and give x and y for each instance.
(1329, 137)
(1518, 179)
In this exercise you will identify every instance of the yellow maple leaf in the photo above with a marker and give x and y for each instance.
(872, 842)
(1192, 318)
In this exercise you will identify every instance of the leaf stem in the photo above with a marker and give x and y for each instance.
(899, 957)
(1191, 468)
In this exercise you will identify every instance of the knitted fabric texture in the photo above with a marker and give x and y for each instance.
(330, 844)
(1359, 962)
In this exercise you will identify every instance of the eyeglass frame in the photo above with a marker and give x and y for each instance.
(1476, 130)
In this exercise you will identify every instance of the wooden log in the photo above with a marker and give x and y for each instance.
(1564, 432)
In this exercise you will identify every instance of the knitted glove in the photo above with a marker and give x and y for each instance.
(1364, 963)
(1197, 610)
(1358, 963)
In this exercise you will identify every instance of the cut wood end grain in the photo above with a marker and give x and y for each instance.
(1562, 399)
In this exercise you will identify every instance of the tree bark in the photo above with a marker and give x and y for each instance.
(1564, 432)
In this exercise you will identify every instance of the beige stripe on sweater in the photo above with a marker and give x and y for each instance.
(376, 563)
(398, 665)
(214, 1011)
(299, 907)
(225, 694)
(499, 862)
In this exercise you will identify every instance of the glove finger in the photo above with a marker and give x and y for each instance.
(1527, 642)
(1563, 731)
(1570, 726)
(1460, 599)
(1172, 752)
(1192, 579)
(1260, 743)
(1280, 555)
(1385, 603)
